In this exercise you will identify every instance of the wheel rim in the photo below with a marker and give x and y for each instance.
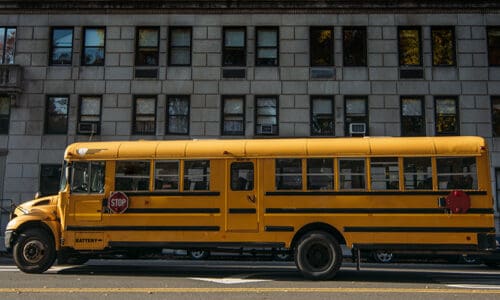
(319, 256)
(198, 254)
(34, 251)
(384, 256)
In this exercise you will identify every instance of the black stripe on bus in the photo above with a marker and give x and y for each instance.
(371, 211)
(164, 193)
(418, 229)
(279, 228)
(172, 211)
(366, 193)
(242, 211)
(143, 228)
(196, 245)
(417, 247)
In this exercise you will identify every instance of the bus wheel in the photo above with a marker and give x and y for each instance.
(318, 255)
(34, 251)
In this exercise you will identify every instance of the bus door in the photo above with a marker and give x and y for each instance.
(87, 190)
(241, 195)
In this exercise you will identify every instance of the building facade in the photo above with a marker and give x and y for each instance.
(126, 70)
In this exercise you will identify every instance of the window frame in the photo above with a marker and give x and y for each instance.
(453, 45)
(422, 116)
(259, 61)
(47, 115)
(5, 117)
(103, 47)
(367, 113)
(2, 56)
(171, 46)
(331, 62)
(226, 49)
(168, 115)
(312, 115)
(52, 47)
(138, 47)
(134, 116)
(457, 115)
(223, 115)
(257, 115)
(80, 114)
(490, 58)
(345, 50)
(420, 46)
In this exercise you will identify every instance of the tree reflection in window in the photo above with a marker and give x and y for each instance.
(321, 46)
(354, 43)
(147, 46)
(410, 46)
(447, 116)
(495, 118)
(7, 45)
(443, 46)
(494, 45)
(56, 115)
(93, 47)
(62, 46)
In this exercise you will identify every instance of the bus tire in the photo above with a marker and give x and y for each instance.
(34, 251)
(318, 255)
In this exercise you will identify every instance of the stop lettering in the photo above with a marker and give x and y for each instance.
(118, 202)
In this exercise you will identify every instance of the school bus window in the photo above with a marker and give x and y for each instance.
(418, 173)
(167, 175)
(457, 173)
(87, 177)
(352, 174)
(197, 175)
(242, 176)
(384, 172)
(288, 174)
(132, 176)
(320, 174)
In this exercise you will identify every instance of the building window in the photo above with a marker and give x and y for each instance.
(494, 45)
(267, 46)
(4, 114)
(89, 117)
(355, 46)
(412, 116)
(50, 178)
(179, 53)
(356, 113)
(61, 46)
(147, 46)
(234, 47)
(56, 115)
(93, 46)
(322, 116)
(321, 46)
(410, 46)
(7, 45)
(177, 115)
(447, 116)
(266, 115)
(233, 115)
(144, 115)
(443, 46)
(495, 115)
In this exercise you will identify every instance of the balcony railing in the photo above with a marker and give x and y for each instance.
(11, 79)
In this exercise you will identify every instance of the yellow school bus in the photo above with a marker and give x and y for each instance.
(309, 195)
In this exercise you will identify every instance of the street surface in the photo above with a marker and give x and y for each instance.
(211, 279)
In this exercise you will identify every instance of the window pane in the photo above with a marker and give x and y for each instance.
(178, 124)
(91, 106)
(409, 47)
(148, 37)
(355, 47)
(446, 106)
(4, 105)
(418, 173)
(321, 46)
(267, 38)
(267, 53)
(443, 51)
(7, 55)
(412, 107)
(178, 106)
(233, 106)
(320, 174)
(457, 173)
(352, 174)
(234, 38)
(355, 106)
(132, 176)
(94, 56)
(181, 37)
(180, 56)
(446, 116)
(97, 176)
(242, 176)
(2, 46)
(167, 175)
(266, 106)
(62, 56)
(288, 174)
(50, 177)
(94, 37)
(384, 173)
(145, 106)
(322, 106)
(495, 119)
(494, 46)
(62, 38)
(197, 175)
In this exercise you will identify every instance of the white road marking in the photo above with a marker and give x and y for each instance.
(475, 286)
(236, 279)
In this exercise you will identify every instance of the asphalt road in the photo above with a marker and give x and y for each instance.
(184, 279)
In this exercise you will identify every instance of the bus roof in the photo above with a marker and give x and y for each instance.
(294, 147)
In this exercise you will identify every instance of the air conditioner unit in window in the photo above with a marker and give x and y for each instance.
(265, 129)
(87, 128)
(357, 129)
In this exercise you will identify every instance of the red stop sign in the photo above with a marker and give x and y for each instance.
(118, 202)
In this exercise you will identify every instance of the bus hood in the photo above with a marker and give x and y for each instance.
(39, 207)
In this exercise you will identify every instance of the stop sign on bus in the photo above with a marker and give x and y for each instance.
(118, 202)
